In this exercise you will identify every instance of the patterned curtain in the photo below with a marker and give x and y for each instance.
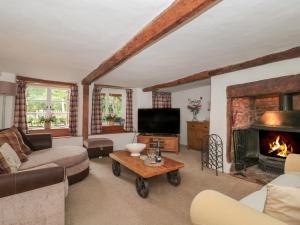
(73, 110)
(128, 122)
(161, 100)
(96, 123)
(20, 106)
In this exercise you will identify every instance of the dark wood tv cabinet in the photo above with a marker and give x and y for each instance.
(171, 142)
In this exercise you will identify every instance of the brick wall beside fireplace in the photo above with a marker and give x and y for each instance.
(248, 109)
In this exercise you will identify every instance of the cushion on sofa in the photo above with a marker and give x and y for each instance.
(9, 159)
(257, 199)
(9, 136)
(65, 156)
(24, 147)
(283, 203)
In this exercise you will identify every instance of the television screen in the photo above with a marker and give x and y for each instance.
(159, 121)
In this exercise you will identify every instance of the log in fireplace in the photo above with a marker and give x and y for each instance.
(270, 139)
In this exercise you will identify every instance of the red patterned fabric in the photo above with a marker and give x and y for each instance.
(96, 123)
(161, 100)
(129, 122)
(20, 107)
(73, 110)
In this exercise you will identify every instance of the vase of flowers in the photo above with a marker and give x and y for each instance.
(195, 106)
(47, 119)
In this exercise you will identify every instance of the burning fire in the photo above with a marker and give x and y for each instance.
(280, 147)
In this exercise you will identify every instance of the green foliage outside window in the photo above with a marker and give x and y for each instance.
(39, 99)
(111, 107)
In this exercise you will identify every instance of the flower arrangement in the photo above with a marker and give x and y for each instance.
(110, 117)
(49, 117)
(195, 106)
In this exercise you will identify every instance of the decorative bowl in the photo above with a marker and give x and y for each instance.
(135, 148)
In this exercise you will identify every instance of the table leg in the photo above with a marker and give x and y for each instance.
(142, 187)
(116, 168)
(174, 177)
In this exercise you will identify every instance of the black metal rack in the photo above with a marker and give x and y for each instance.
(212, 153)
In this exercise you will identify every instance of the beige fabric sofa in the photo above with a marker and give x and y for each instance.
(74, 159)
(213, 208)
(36, 194)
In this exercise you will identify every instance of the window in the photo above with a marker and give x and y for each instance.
(40, 99)
(112, 109)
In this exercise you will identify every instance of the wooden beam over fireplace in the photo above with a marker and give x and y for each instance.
(175, 15)
(275, 57)
(278, 85)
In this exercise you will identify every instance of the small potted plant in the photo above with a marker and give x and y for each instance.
(195, 106)
(110, 117)
(47, 119)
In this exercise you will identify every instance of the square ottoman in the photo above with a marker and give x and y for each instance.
(98, 147)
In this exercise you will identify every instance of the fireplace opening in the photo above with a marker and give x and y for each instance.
(278, 144)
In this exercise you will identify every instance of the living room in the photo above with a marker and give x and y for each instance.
(195, 83)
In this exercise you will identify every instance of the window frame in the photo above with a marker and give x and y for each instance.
(55, 131)
(106, 128)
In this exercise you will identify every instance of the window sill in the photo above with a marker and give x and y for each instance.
(55, 132)
(114, 129)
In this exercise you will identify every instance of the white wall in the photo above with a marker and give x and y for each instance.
(180, 100)
(9, 101)
(218, 91)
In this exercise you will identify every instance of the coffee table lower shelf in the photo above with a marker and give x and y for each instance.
(136, 165)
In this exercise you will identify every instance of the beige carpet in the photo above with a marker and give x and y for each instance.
(103, 199)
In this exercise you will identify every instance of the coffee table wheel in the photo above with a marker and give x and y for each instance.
(142, 187)
(174, 178)
(116, 168)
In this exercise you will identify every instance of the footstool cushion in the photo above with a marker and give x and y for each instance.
(97, 147)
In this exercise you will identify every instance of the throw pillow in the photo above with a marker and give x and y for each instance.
(283, 203)
(10, 157)
(25, 139)
(4, 167)
(8, 136)
(24, 147)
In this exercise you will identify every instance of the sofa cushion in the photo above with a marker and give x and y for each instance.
(257, 199)
(65, 156)
(9, 159)
(283, 203)
(4, 166)
(24, 147)
(9, 136)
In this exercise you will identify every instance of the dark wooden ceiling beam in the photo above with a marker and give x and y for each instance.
(176, 14)
(275, 57)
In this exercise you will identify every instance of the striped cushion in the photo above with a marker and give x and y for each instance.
(4, 167)
(11, 158)
(8, 136)
(24, 147)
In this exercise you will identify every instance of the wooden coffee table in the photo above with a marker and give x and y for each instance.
(136, 165)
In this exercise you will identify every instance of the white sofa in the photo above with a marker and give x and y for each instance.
(213, 208)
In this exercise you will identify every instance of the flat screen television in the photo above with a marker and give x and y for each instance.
(159, 121)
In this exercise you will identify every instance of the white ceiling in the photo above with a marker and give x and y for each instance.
(74, 37)
(68, 38)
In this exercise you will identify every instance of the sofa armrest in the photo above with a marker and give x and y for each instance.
(292, 163)
(11, 184)
(213, 208)
(39, 141)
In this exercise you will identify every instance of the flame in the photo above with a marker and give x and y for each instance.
(280, 147)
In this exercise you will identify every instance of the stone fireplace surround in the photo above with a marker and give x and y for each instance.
(247, 102)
